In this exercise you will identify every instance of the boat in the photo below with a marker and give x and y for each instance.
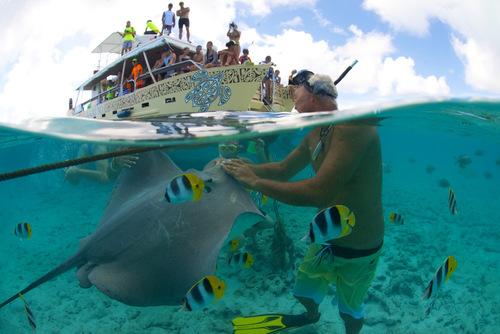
(235, 87)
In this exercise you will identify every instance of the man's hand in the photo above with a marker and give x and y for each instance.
(125, 161)
(241, 171)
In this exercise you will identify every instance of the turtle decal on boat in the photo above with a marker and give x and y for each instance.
(207, 90)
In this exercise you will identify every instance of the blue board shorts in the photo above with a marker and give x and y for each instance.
(352, 277)
(127, 45)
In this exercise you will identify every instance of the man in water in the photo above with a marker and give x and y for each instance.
(347, 162)
(101, 171)
(183, 14)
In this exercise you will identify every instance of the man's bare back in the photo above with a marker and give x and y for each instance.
(361, 192)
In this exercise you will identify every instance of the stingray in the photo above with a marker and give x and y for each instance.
(146, 251)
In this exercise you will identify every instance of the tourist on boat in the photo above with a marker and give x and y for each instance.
(234, 35)
(183, 14)
(277, 78)
(134, 76)
(268, 80)
(197, 58)
(210, 59)
(229, 56)
(167, 58)
(290, 77)
(168, 20)
(128, 38)
(110, 93)
(245, 59)
(184, 56)
(151, 28)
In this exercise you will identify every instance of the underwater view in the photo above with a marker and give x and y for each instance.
(171, 252)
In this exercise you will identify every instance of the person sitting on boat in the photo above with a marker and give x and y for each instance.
(128, 38)
(234, 35)
(151, 28)
(197, 58)
(210, 59)
(183, 14)
(167, 58)
(245, 59)
(183, 57)
(228, 56)
(168, 20)
(134, 76)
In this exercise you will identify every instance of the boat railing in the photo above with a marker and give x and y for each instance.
(100, 98)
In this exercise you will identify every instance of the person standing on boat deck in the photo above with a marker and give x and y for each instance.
(234, 35)
(268, 80)
(183, 14)
(135, 74)
(210, 59)
(151, 28)
(347, 161)
(128, 38)
(168, 20)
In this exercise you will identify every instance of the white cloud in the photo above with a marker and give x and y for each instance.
(322, 21)
(475, 24)
(294, 22)
(264, 7)
(377, 74)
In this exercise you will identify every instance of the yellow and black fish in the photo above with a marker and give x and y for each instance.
(452, 202)
(244, 260)
(331, 223)
(23, 230)
(184, 188)
(396, 218)
(29, 313)
(443, 274)
(206, 291)
(234, 245)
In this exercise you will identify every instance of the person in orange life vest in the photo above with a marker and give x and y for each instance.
(135, 74)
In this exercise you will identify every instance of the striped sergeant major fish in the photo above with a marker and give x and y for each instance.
(29, 313)
(244, 260)
(452, 202)
(206, 291)
(396, 218)
(443, 274)
(331, 223)
(23, 230)
(184, 188)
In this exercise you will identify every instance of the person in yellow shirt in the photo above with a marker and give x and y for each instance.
(128, 38)
(151, 28)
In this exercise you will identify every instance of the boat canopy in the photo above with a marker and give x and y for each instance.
(146, 43)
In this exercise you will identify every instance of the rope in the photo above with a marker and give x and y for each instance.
(73, 162)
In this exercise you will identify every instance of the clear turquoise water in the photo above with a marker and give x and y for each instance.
(421, 144)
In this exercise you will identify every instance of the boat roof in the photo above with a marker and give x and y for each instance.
(113, 44)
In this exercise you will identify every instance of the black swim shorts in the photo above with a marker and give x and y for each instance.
(183, 21)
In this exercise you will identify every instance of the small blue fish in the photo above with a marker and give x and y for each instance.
(23, 230)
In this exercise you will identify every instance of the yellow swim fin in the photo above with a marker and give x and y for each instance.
(269, 323)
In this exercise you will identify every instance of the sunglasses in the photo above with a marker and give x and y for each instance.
(301, 78)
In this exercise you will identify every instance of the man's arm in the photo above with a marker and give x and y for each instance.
(287, 168)
(349, 145)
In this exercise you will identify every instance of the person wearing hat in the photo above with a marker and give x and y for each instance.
(347, 162)
(134, 76)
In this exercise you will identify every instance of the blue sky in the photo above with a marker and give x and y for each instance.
(415, 48)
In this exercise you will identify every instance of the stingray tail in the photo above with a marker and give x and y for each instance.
(64, 267)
